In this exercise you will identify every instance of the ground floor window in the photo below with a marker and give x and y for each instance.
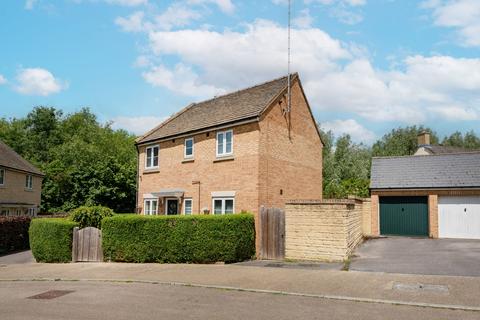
(223, 205)
(151, 207)
(31, 212)
(187, 206)
(4, 212)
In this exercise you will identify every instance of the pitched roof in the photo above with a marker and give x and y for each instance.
(459, 170)
(233, 107)
(10, 159)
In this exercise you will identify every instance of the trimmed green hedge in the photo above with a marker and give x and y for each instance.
(51, 239)
(179, 239)
(13, 233)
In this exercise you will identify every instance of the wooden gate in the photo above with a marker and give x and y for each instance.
(87, 245)
(272, 233)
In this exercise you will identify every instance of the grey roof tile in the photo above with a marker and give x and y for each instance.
(232, 107)
(458, 170)
(10, 159)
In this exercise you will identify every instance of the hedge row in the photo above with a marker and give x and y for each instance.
(51, 239)
(179, 239)
(13, 234)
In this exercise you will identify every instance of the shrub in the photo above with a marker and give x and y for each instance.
(13, 233)
(179, 239)
(90, 216)
(51, 239)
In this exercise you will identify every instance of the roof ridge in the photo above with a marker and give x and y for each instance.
(429, 155)
(245, 89)
(164, 122)
(31, 168)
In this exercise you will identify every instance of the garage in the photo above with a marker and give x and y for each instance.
(459, 217)
(404, 216)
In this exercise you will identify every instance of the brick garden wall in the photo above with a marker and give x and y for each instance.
(323, 230)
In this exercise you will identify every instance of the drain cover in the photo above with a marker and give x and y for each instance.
(420, 287)
(52, 294)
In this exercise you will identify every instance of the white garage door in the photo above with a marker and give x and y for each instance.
(459, 217)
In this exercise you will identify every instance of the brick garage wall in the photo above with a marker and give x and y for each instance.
(322, 230)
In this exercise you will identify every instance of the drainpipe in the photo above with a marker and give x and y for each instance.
(137, 178)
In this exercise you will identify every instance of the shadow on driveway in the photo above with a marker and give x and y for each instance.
(454, 257)
(17, 258)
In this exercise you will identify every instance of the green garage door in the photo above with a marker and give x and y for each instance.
(404, 216)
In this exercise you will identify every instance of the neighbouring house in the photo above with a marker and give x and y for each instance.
(233, 153)
(20, 184)
(425, 148)
(435, 195)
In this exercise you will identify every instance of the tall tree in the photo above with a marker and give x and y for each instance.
(401, 142)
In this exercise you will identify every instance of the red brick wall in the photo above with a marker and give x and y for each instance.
(290, 159)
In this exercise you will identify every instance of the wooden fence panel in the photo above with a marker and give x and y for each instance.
(87, 245)
(272, 233)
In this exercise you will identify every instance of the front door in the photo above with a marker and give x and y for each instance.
(171, 207)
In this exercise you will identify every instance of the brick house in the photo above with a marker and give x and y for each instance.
(20, 184)
(434, 193)
(232, 153)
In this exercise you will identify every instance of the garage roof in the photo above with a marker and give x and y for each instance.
(461, 170)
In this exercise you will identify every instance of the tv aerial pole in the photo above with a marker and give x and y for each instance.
(289, 93)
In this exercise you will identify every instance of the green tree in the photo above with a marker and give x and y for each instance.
(401, 142)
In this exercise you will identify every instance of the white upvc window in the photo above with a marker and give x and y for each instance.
(150, 207)
(151, 158)
(187, 206)
(31, 212)
(189, 148)
(223, 205)
(224, 143)
(2, 177)
(29, 182)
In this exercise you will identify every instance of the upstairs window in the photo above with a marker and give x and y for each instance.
(2, 177)
(151, 160)
(29, 182)
(188, 153)
(224, 143)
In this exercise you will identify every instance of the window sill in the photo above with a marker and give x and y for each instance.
(147, 171)
(187, 160)
(28, 190)
(225, 158)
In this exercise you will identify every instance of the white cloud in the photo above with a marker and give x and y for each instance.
(129, 3)
(226, 6)
(29, 4)
(351, 127)
(181, 79)
(132, 23)
(2, 80)
(176, 15)
(137, 125)
(337, 77)
(37, 81)
(345, 11)
(462, 15)
(303, 20)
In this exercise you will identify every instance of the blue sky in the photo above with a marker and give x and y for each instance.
(367, 65)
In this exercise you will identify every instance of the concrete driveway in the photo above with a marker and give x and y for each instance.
(17, 258)
(453, 257)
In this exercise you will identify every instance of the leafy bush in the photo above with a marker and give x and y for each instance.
(90, 216)
(13, 233)
(51, 239)
(179, 239)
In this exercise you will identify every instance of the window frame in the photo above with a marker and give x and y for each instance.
(29, 182)
(3, 173)
(185, 206)
(150, 212)
(223, 199)
(224, 144)
(147, 164)
(185, 148)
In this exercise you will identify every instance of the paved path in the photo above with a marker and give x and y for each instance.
(339, 285)
(454, 257)
(118, 301)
